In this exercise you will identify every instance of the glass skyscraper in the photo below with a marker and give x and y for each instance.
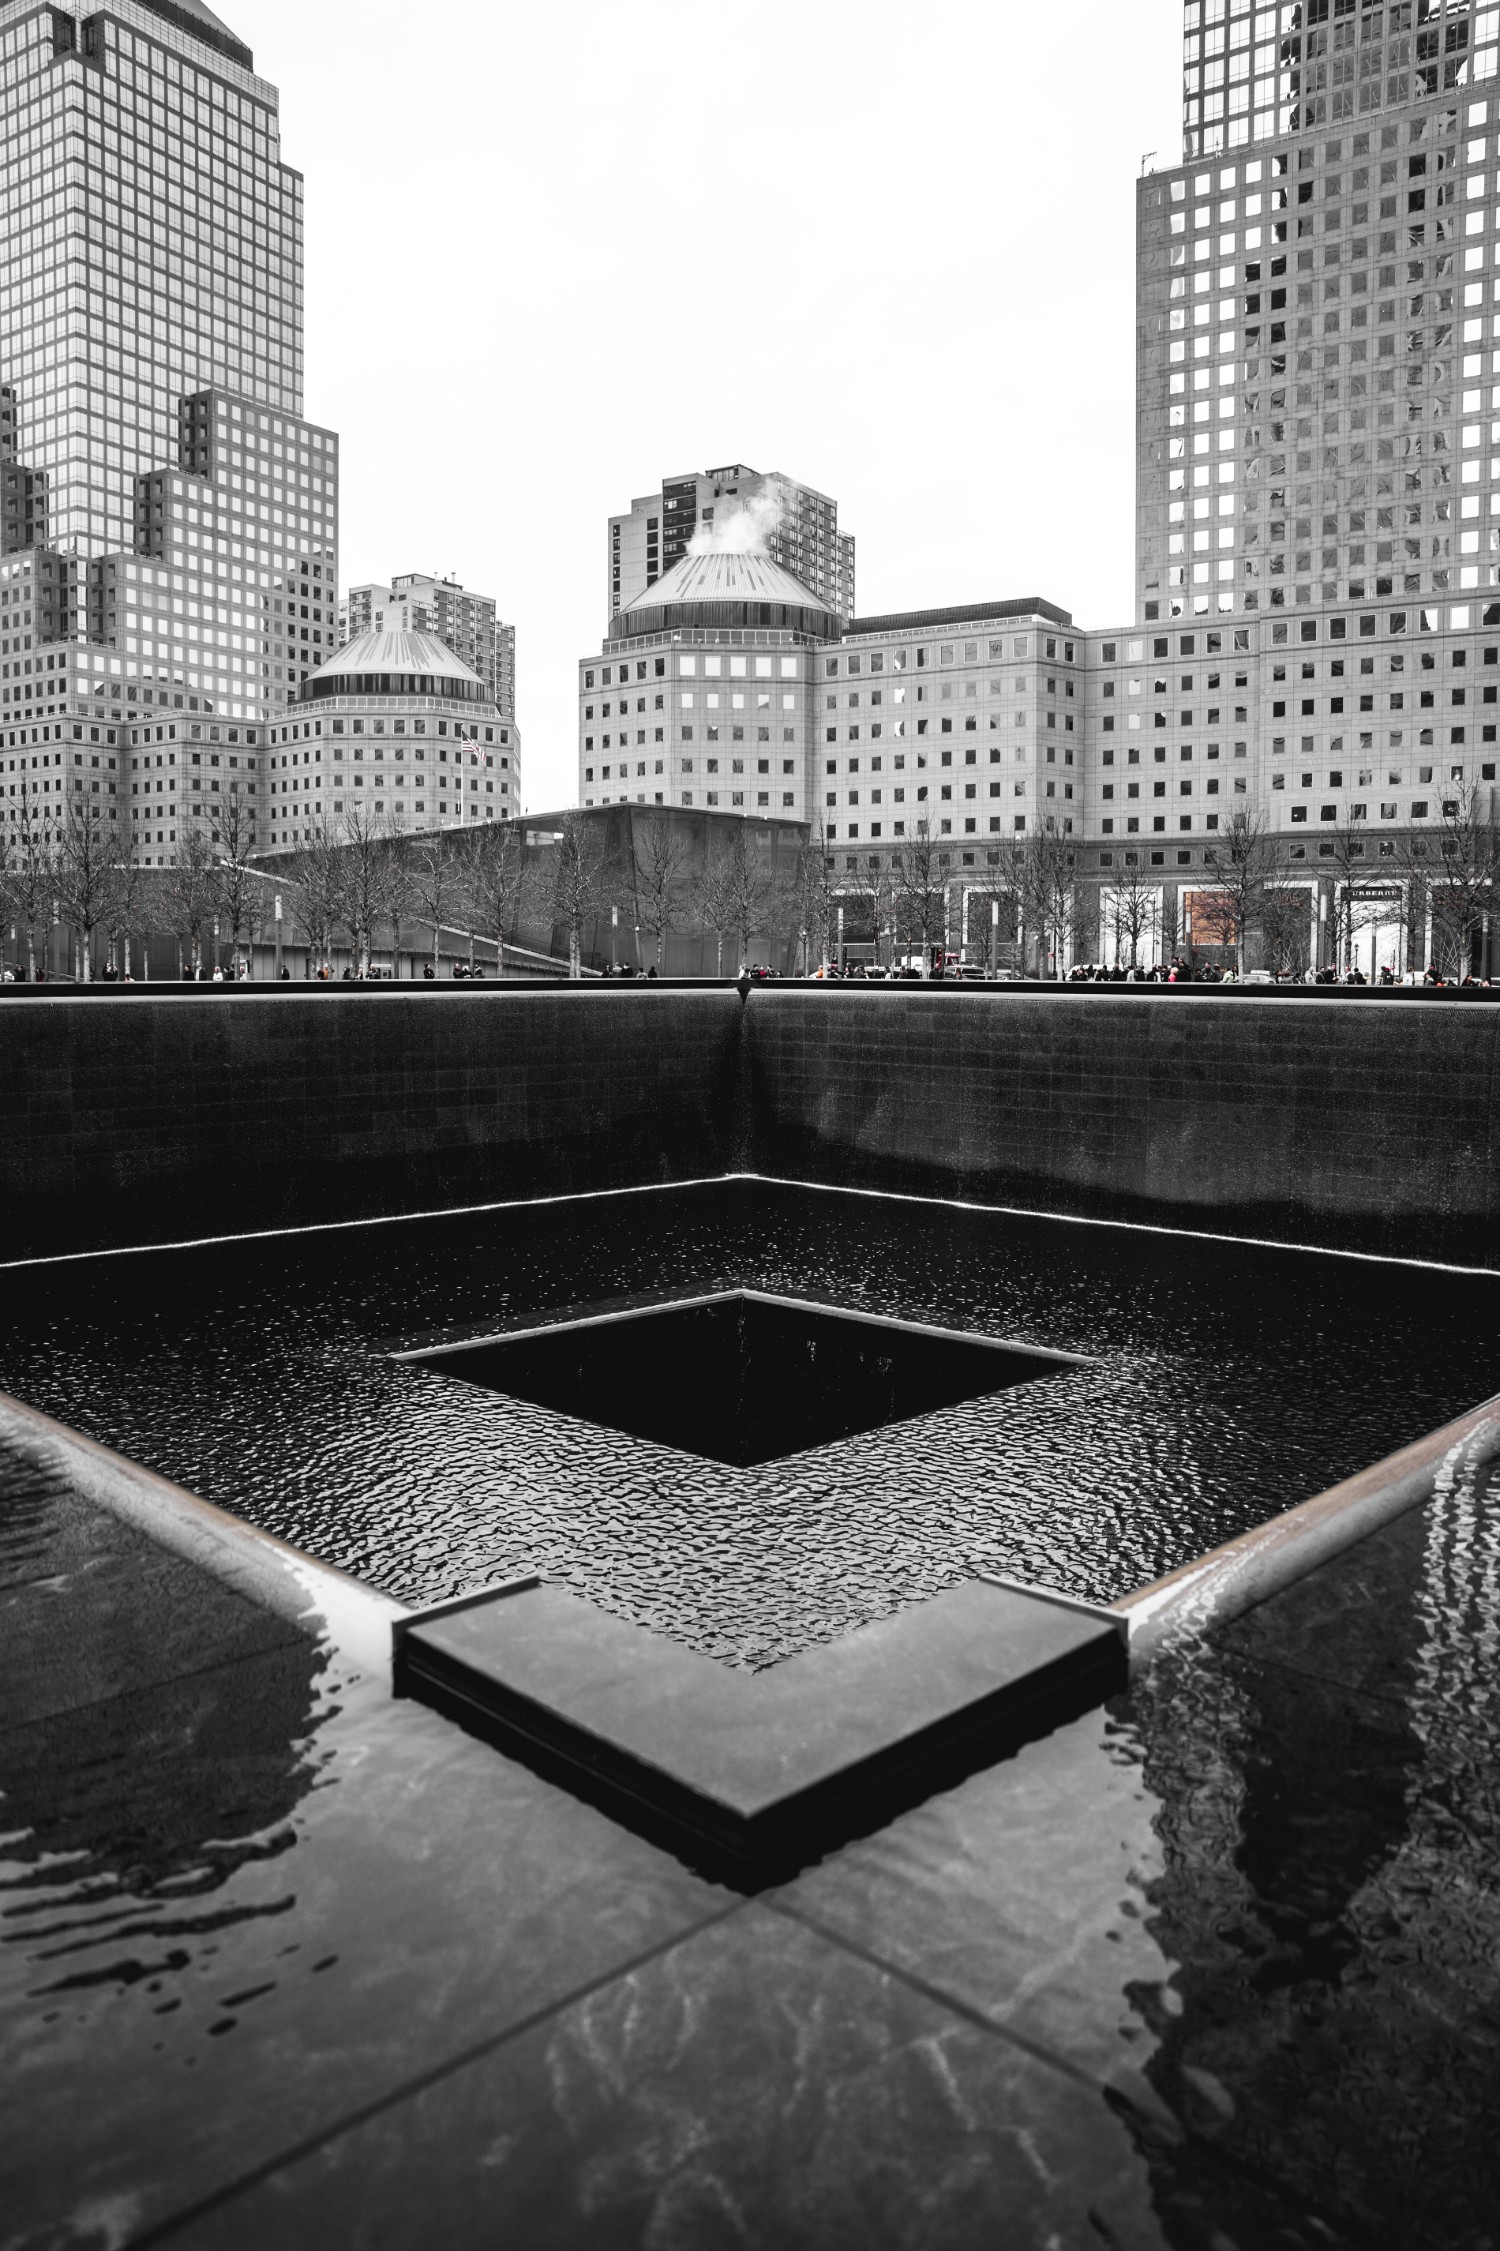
(170, 521)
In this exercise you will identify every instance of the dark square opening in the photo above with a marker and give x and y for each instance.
(743, 1377)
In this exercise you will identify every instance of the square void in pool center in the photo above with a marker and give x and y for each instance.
(742, 1376)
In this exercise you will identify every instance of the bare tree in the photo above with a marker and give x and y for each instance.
(29, 871)
(1342, 853)
(1285, 928)
(190, 893)
(129, 913)
(1239, 866)
(880, 885)
(713, 898)
(1461, 878)
(1049, 891)
(317, 889)
(810, 901)
(1133, 909)
(747, 899)
(661, 855)
(435, 884)
(88, 873)
(499, 881)
(237, 891)
(921, 891)
(583, 880)
(373, 880)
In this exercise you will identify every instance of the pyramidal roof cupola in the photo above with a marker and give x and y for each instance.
(724, 587)
(385, 664)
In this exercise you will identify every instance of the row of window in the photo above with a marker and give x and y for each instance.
(710, 766)
(945, 793)
(944, 828)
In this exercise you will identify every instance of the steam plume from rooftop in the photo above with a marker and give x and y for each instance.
(746, 528)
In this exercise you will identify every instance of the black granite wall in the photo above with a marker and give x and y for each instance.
(1319, 1120)
(134, 1118)
(137, 1119)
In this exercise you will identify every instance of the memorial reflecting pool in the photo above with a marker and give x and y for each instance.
(1221, 1382)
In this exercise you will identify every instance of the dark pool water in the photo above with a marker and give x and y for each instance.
(1225, 1382)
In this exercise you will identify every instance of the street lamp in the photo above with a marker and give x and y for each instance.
(994, 939)
(278, 937)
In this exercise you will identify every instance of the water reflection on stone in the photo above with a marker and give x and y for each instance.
(136, 1830)
(1329, 1818)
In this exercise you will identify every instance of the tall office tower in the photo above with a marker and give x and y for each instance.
(468, 624)
(797, 527)
(1317, 311)
(151, 430)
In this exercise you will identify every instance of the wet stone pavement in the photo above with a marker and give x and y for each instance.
(282, 1961)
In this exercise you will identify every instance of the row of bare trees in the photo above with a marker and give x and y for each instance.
(1444, 879)
(359, 879)
(908, 897)
(63, 864)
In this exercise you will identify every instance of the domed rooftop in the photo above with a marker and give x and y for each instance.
(395, 664)
(720, 589)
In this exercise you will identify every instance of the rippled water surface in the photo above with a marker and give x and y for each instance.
(1225, 1382)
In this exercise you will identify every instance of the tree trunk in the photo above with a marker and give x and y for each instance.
(575, 962)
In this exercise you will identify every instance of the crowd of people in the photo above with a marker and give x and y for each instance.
(1182, 969)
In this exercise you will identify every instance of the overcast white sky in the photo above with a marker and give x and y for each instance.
(556, 252)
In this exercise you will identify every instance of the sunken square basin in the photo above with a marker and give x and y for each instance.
(743, 1376)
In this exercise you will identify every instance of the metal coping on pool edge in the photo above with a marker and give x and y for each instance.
(447, 1345)
(311, 1595)
(1257, 1564)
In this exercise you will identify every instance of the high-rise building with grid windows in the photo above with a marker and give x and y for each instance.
(1318, 311)
(156, 472)
(1318, 474)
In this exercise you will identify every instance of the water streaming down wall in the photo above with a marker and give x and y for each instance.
(134, 1118)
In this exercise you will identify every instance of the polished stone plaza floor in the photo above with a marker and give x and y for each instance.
(283, 1961)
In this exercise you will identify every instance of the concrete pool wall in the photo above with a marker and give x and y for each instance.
(134, 1118)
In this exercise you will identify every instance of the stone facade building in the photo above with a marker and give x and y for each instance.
(1317, 634)
(399, 730)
